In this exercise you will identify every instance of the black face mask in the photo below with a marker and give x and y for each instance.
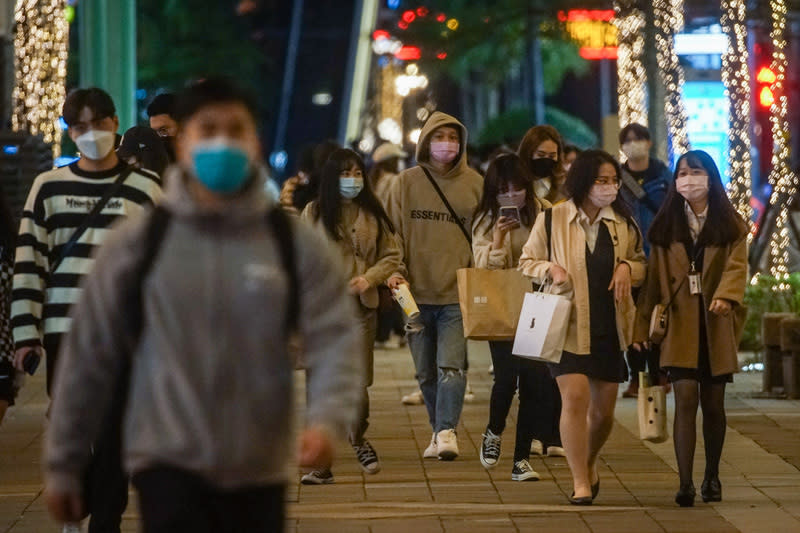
(543, 167)
(169, 146)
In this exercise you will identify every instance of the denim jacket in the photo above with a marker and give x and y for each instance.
(656, 183)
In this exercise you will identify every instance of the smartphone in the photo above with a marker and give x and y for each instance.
(510, 212)
(31, 362)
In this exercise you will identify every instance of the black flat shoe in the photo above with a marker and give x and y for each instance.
(711, 490)
(596, 489)
(685, 495)
(583, 500)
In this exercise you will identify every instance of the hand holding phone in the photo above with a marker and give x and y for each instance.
(510, 213)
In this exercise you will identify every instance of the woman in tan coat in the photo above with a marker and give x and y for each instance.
(352, 217)
(596, 256)
(698, 267)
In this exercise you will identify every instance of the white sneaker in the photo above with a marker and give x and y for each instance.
(537, 448)
(447, 443)
(432, 451)
(469, 396)
(414, 398)
(555, 451)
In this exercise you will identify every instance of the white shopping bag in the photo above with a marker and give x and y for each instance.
(652, 409)
(542, 327)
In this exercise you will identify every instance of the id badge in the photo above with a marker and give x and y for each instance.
(695, 286)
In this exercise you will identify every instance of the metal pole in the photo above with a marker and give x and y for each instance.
(605, 88)
(358, 66)
(108, 52)
(288, 75)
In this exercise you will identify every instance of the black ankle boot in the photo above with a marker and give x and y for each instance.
(711, 489)
(685, 495)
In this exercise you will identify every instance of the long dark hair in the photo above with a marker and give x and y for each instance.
(582, 174)
(505, 169)
(533, 138)
(329, 204)
(724, 225)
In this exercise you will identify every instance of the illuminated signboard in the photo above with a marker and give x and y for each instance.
(593, 30)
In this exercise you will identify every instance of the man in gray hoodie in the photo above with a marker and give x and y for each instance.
(207, 425)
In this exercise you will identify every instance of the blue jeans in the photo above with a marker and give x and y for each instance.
(439, 349)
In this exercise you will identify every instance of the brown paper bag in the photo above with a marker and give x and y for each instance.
(490, 302)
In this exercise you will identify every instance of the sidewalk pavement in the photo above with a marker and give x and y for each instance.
(760, 472)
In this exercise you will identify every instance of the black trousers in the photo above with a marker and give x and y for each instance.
(105, 482)
(390, 316)
(539, 399)
(172, 500)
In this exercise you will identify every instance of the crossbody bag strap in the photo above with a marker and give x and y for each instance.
(448, 206)
(630, 183)
(87, 221)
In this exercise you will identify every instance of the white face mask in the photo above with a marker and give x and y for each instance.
(692, 188)
(95, 144)
(603, 195)
(636, 149)
(511, 199)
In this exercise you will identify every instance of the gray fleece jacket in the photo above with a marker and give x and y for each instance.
(211, 383)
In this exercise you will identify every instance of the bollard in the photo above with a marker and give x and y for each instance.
(790, 347)
(773, 358)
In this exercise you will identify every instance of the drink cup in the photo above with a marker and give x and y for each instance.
(403, 296)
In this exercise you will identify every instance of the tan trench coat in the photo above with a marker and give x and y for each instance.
(569, 252)
(724, 277)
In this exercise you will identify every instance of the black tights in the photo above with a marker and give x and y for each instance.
(711, 397)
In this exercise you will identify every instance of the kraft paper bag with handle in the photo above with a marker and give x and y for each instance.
(542, 327)
(490, 302)
(652, 409)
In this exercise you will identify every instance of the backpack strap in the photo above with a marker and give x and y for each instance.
(153, 236)
(548, 227)
(281, 226)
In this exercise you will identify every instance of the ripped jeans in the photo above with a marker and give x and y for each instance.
(439, 349)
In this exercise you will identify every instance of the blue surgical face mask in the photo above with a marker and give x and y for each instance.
(220, 165)
(350, 187)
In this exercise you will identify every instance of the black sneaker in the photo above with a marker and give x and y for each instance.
(523, 471)
(367, 457)
(490, 449)
(318, 477)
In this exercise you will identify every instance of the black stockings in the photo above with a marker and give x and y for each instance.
(711, 397)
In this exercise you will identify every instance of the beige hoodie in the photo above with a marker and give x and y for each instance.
(432, 243)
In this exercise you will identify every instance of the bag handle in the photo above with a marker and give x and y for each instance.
(448, 206)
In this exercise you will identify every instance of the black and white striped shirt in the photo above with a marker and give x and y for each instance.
(57, 205)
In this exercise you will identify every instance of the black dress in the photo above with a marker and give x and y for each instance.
(703, 371)
(605, 361)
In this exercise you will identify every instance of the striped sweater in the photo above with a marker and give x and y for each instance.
(57, 205)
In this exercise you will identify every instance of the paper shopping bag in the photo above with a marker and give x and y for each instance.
(542, 327)
(490, 302)
(652, 409)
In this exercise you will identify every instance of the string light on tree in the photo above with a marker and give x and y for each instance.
(668, 22)
(40, 43)
(630, 23)
(736, 77)
(782, 179)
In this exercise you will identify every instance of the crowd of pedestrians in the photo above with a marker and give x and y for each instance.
(171, 338)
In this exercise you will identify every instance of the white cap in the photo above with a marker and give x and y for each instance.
(387, 151)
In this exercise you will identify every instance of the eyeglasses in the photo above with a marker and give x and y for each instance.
(607, 181)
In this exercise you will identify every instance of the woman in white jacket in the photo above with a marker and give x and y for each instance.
(596, 255)
(502, 224)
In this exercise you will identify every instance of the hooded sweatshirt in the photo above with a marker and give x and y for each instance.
(211, 381)
(433, 246)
